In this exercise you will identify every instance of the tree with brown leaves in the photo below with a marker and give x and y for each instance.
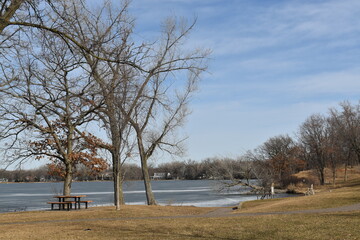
(46, 105)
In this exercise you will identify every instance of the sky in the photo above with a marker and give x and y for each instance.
(273, 64)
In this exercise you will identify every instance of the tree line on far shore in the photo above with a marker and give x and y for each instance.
(330, 141)
(214, 168)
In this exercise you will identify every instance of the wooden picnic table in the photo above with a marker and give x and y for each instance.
(63, 201)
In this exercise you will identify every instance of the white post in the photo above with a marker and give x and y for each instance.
(312, 189)
(272, 190)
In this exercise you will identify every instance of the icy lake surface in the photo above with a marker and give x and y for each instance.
(200, 193)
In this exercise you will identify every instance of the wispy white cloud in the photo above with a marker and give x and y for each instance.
(340, 82)
(274, 63)
(319, 19)
(281, 25)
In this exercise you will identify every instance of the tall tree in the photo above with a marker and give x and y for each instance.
(46, 105)
(159, 104)
(132, 92)
(282, 154)
(345, 124)
(314, 139)
(107, 32)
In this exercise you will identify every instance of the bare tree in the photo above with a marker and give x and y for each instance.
(246, 163)
(139, 94)
(337, 152)
(107, 33)
(314, 139)
(260, 167)
(159, 105)
(45, 105)
(345, 125)
(282, 154)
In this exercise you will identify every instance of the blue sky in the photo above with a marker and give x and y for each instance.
(274, 63)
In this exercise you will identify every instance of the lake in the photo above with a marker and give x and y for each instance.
(200, 193)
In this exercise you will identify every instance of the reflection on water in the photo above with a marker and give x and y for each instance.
(200, 193)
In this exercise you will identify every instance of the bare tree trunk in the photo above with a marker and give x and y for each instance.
(118, 189)
(321, 176)
(147, 182)
(345, 173)
(145, 171)
(68, 179)
(116, 181)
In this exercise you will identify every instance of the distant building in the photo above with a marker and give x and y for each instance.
(158, 176)
(106, 176)
(4, 180)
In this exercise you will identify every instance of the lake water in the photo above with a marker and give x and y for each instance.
(200, 193)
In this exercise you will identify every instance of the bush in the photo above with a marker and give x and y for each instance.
(294, 181)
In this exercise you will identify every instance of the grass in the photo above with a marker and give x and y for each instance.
(324, 199)
(128, 211)
(300, 226)
(171, 222)
(328, 196)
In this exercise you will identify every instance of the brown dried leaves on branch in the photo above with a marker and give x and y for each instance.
(84, 152)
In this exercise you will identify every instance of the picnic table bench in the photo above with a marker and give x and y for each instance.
(65, 203)
(62, 205)
(86, 203)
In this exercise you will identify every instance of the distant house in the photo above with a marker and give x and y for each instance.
(106, 176)
(4, 180)
(158, 176)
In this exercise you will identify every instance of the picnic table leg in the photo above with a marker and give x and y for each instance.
(76, 201)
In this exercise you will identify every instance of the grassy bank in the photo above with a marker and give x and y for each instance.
(325, 197)
(299, 226)
(170, 222)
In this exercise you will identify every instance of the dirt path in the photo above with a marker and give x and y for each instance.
(220, 212)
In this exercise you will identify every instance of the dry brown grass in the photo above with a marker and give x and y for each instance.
(328, 196)
(311, 177)
(128, 211)
(150, 222)
(300, 226)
